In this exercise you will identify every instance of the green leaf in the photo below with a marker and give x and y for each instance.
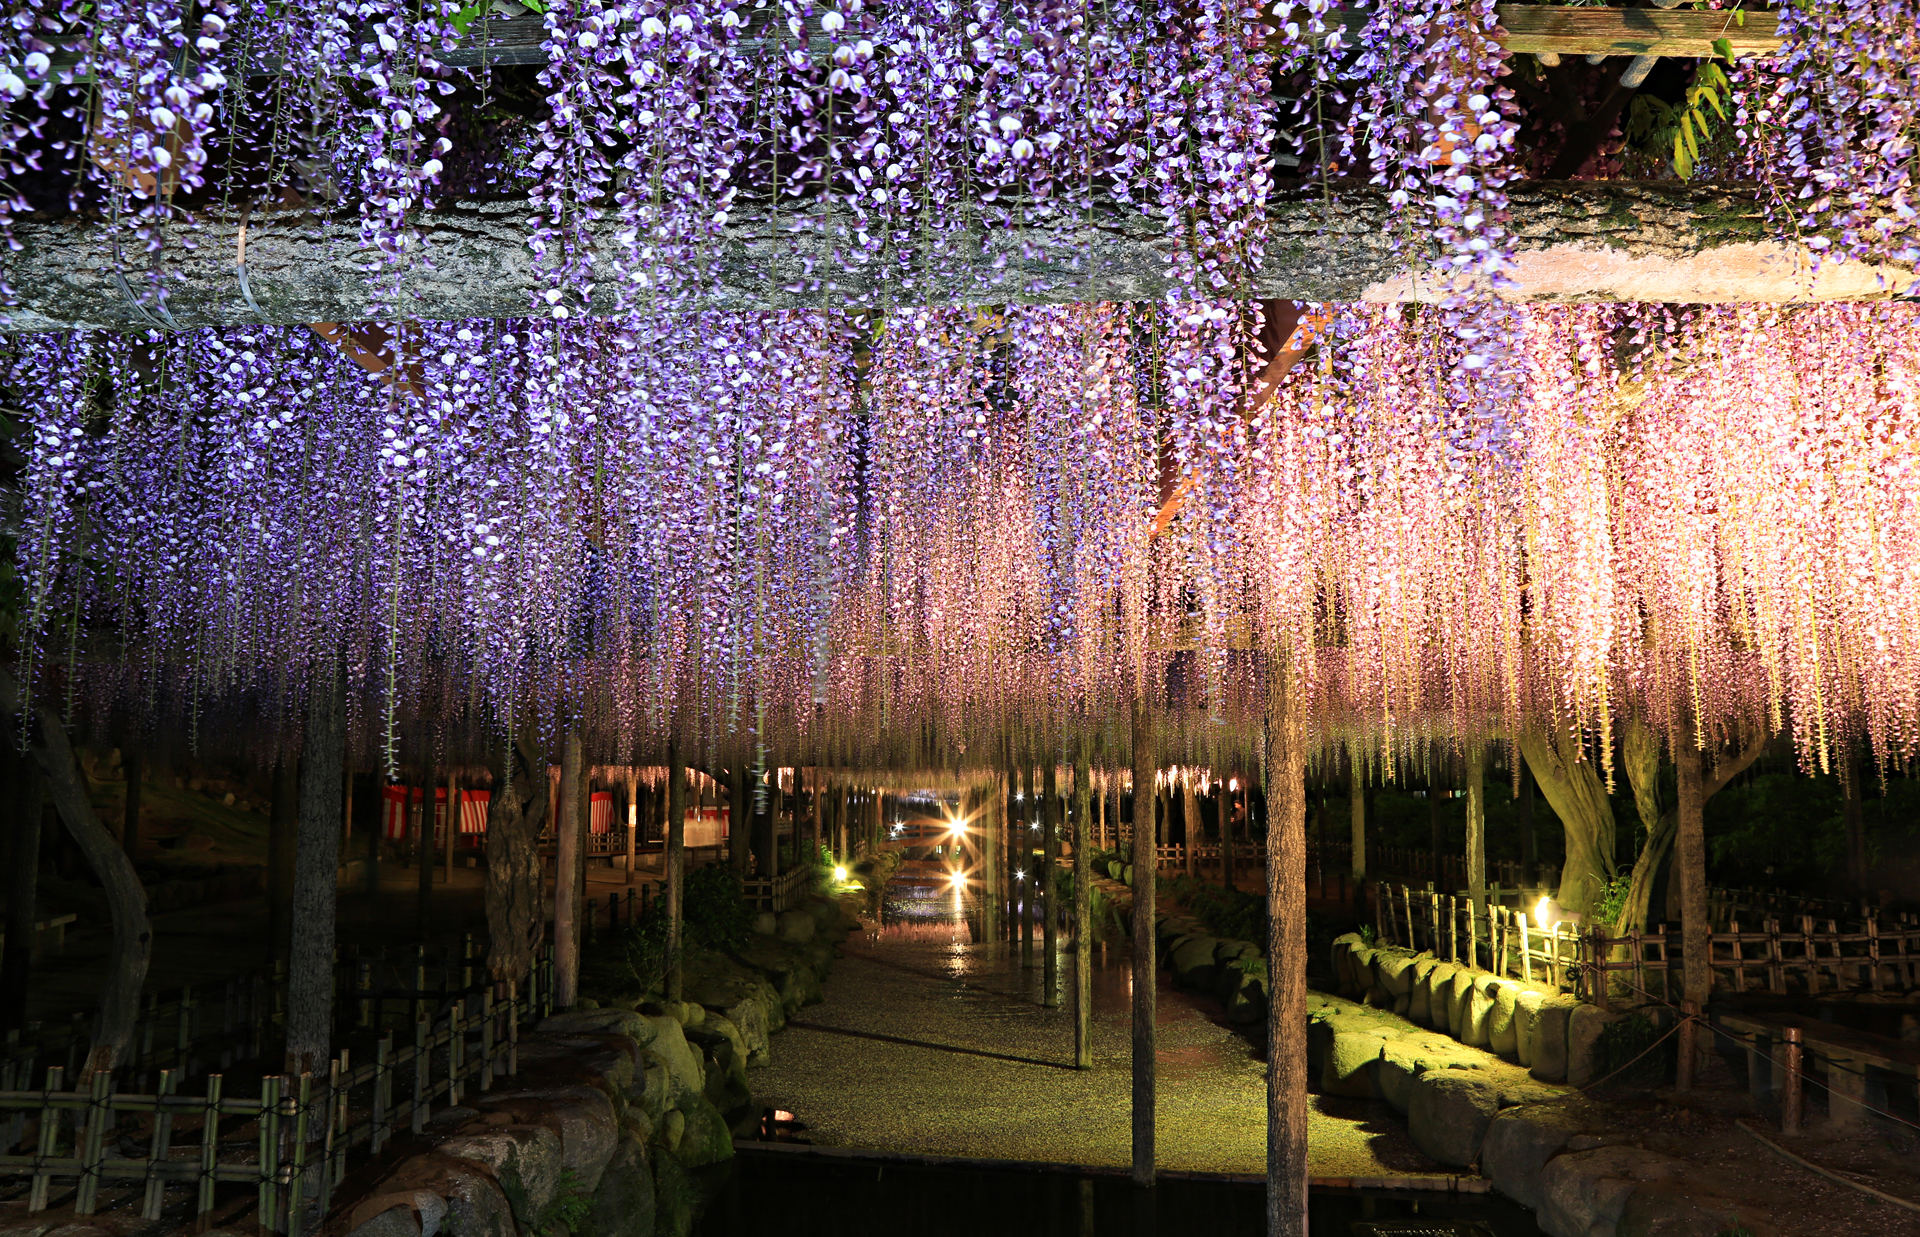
(1723, 48)
(465, 16)
(1682, 162)
(1712, 96)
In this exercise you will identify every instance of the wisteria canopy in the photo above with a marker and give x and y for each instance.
(885, 528)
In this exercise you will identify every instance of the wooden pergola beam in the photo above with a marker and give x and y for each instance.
(1537, 29)
(1576, 241)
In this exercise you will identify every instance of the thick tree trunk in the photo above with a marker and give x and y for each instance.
(1576, 794)
(739, 819)
(566, 887)
(516, 920)
(1640, 757)
(316, 873)
(1145, 972)
(1190, 822)
(1082, 908)
(1696, 978)
(1357, 819)
(1477, 829)
(1024, 873)
(1577, 241)
(1224, 801)
(126, 900)
(676, 865)
(283, 826)
(23, 882)
(1287, 959)
(1049, 864)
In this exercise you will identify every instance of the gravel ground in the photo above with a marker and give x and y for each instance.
(927, 1043)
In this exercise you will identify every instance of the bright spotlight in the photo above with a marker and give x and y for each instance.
(840, 873)
(956, 878)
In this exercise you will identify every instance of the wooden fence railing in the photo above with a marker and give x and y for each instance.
(1811, 957)
(289, 1144)
(779, 893)
(200, 1028)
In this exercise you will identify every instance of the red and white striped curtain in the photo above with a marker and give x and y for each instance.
(600, 812)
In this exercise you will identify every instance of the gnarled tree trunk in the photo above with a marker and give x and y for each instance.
(1574, 790)
(515, 814)
(1286, 958)
(316, 872)
(126, 900)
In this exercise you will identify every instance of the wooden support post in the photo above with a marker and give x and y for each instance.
(566, 889)
(1357, 817)
(1225, 800)
(1023, 851)
(1476, 839)
(422, 839)
(1286, 869)
(1685, 1047)
(1049, 863)
(1082, 908)
(1145, 973)
(676, 863)
(633, 822)
(1190, 823)
(1792, 1089)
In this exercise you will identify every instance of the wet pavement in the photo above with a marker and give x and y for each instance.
(929, 1043)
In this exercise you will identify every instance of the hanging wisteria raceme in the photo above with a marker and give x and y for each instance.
(820, 534)
(1830, 127)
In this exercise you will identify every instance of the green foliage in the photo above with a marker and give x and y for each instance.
(1623, 1040)
(569, 1207)
(714, 916)
(1369, 935)
(1229, 913)
(1613, 899)
(1675, 132)
(716, 911)
(470, 13)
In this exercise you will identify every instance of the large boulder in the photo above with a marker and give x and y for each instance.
(1192, 958)
(1420, 991)
(1394, 972)
(431, 1194)
(1550, 1045)
(1526, 1023)
(1348, 1067)
(1439, 986)
(1449, 1112)
(1248, 1004)
(705, 1138)
(524, 1159)
(1393, 1074)
(1586, 1192)
(1586, 1043)
(623, 1206)
(1502, 1035)
(1518, 1144)
(796, 927)
(1460, 990)
(744, 999)
(581, 1115)
(599, 1022)
(1476, 1016)
(685, 1072)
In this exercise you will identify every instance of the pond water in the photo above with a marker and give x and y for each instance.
(796, 1195)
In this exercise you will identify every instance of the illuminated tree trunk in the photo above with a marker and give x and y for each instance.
(1190, 818)
(1357, 810)
(127, 960)
(1082, 908)
(1574, 791)
(1477, 829)
(1696, 978)
(316, 871)
(283, 824)
(516, 920)
(1287, 959)
(739, 818)
(676, 864)
(566, 890)
(1144, 971)
(1049, 861)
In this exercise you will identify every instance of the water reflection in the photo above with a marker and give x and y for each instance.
(797, 1194)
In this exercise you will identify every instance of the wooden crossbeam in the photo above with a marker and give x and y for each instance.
(1537, 29)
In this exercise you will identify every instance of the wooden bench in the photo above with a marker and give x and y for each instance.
(1855, 1066)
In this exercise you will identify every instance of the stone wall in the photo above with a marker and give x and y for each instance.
(1557, 1037)
(615, 1111)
